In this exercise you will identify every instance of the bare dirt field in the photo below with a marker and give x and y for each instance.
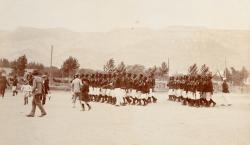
(163, 123)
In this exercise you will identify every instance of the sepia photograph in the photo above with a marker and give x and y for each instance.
(125, 72)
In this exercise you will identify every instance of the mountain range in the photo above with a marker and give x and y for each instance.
(182, 45)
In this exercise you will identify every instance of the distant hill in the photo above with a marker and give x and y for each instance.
(183, 45)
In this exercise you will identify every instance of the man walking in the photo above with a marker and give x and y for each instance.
(37, 95)
(14, 85)
(46, 89)
(76, 86)
(3, 84)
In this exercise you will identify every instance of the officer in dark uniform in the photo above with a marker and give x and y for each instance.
(3, 84)
(84, 93)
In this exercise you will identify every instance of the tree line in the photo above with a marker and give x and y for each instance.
(71, 65)
(232, 75)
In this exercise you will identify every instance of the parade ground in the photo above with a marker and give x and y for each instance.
(162, 123)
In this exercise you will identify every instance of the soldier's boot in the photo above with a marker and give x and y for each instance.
(149, 100)
(197, 103)
(24, 101)
(144, 102)
(192, 102)
(184, 101)
(102, 99)
(170, 97)
(207, 103)
(27, 101)
(124, 101)
(108, 100)
(154, 99)
(89, 106)
(83, 108)
(179, 99)
(128, 100)
(139, 101)
(182, 98)
(115, 100)
(174, 97)
(133, 101)
(212, 101)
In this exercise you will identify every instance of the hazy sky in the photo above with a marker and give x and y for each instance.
(104, 15)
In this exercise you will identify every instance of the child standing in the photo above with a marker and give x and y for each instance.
(26, 89)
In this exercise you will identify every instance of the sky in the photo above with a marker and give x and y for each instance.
(106, 15)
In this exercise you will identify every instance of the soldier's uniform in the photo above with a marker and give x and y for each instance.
(170, 88)
(225, 91)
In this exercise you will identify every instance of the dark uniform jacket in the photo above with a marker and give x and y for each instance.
(225, 87)
(3, 82)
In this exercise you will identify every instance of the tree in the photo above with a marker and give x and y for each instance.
(151, 71)
(121, 67)
(135, 69)
(228, 75)
(204, 70)
(86, 71)
(70, 66)
(55, 72)
(237, 78)
(4, 62)
(244, 73)
(163, 69)
(21, 65)
(18, 66)
(13, 65)
(34, 65)
(110, 66)
(193, 70)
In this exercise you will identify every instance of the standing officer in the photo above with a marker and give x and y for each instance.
(3, 84)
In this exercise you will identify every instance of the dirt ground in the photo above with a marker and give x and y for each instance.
(162, 123)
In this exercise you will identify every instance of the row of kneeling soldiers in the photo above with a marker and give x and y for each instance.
(120, 89)
(192, 90)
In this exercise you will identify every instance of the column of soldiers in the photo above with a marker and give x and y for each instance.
(121, 89)
(192, 90)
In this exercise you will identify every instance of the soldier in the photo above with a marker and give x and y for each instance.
(3, 84)
(182, 85)
(46, 88)
(84, 94)
(209, 91)
(76, 86)
(145, 90)
(14, 85)
(225, 91)
(186, 90)
(198, 91)
(124, 88)
(170, 88)
(151, 82)
(202, 86)
(139, 86)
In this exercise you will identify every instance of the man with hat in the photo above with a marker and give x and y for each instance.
(37, 94)
(76, 86)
